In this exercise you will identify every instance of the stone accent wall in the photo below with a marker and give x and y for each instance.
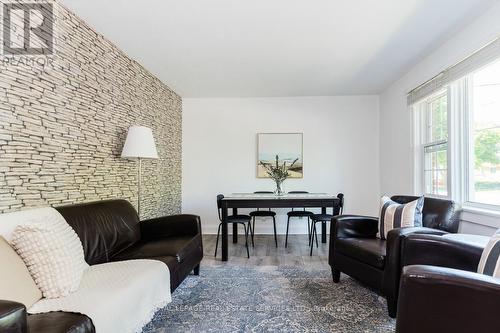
(63, 123)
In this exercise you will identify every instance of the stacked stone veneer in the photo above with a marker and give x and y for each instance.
(63, 124)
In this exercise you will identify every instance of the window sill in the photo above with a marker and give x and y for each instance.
(481, 216)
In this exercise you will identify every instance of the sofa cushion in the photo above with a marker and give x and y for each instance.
(371, 251)
(174, 269)
(60, 322)
(178, 247)
(105, 227)
(16, 283)
(118, 296)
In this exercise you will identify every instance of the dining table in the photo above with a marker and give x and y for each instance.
(270, 200)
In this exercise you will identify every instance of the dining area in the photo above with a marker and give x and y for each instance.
(254, 211)
(315, 209)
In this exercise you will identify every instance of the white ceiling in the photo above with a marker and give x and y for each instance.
(240, 48)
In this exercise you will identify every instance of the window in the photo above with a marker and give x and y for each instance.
(456, 134)
(484, 134)
(457, 141)
(435, 144)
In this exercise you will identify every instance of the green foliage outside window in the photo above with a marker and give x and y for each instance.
(486, 148)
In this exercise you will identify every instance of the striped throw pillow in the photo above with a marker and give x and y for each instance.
(490, 259)
(395, 215)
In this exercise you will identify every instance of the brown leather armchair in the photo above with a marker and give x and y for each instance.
(356, 251)
(466, 300)
(12, 317)
(458, 251)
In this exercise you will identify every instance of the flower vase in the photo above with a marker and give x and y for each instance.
(279, 188)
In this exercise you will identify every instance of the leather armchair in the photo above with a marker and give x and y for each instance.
(459, 251)
(356, 251)
(462, 301)
(13, 318)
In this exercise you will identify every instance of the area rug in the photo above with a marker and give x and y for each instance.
(271, 299)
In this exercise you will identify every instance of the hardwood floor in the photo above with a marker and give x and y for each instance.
(265, 252)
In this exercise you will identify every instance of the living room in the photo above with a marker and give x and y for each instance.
(264, 166)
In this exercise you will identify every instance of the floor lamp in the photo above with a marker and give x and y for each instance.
(139, 144)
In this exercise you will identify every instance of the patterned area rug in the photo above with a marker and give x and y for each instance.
(271, 299)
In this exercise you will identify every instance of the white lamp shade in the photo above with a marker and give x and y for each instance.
(140, 143)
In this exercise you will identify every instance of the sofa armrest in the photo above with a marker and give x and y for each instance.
(395, 238)
(422, 250)
(171, 226)
(353, 226)
(13, 318)
(438, 299)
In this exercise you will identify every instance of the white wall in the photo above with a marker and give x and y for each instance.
(340, 150)
(395, 122)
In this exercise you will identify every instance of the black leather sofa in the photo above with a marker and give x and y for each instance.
(463, 300)
(110, 231)
(356, 251)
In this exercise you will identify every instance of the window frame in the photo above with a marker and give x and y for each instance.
(421, 142)
(468, 164)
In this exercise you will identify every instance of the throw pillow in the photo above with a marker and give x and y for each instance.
(16, 283)
(53, 254)
(395, 215)
(490, 259)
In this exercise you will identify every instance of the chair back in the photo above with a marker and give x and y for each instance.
(439, 214)
(219, 205)
(340, 209)
(263, 192)
(298, 192)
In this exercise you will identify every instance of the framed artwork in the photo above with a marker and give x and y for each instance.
(288, 148)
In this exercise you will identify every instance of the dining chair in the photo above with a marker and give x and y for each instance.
(337, 210)
(263, 213)
(300, 214)
(233, 219)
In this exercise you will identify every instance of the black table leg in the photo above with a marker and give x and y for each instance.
(224, 232)
(235, 227)
(323, 226)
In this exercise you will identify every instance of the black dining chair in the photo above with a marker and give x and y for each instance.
(264, 213)
(337, 210)
(299, 213)
(238, 219)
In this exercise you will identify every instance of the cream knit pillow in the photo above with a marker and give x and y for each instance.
(53, 254)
